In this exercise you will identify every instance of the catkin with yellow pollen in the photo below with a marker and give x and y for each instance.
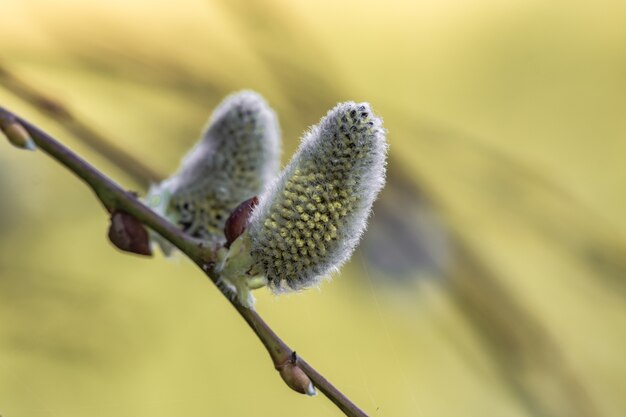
(310, 220)
(237, 156)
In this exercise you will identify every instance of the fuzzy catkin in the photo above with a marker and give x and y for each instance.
(310, 220)
(237, 156)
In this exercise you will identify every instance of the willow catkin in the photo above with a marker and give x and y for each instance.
(310, 220)
(237, 156)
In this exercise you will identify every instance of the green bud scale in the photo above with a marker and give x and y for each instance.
(237, 156)
(309, 221)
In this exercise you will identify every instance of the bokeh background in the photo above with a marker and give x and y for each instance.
(492, 280)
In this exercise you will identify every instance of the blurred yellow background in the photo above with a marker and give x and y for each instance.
(492, 281)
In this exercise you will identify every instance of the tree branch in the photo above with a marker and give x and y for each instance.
(113, 197)
(136, 169)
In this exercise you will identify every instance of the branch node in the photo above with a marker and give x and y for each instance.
(294, 376)
(16, 133)
(128, 234)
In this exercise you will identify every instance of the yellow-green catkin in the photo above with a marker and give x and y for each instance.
(310, 220)
(237, 156)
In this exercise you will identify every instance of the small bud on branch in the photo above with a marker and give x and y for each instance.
(295, 377)
(128, 234)
(16, 133)
(238, 220)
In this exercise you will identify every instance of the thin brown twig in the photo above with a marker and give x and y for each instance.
(113, 197)
(139, 172)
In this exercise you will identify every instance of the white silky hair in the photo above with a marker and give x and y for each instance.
(349, 136)
(237, 156)
(197, 168)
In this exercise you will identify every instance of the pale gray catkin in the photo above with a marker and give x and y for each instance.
(237, 156)
(311, 218)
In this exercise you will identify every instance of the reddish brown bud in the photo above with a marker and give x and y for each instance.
(239, 219)
(295, 377)
(128, 234)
